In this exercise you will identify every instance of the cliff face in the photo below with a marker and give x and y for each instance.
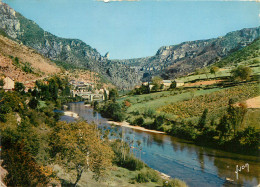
(71, 51)
(176, 60)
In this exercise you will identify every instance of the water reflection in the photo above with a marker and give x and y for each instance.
(197, 166)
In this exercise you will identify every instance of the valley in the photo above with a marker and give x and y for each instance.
(186, 116)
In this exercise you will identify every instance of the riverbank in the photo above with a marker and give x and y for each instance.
(126, 124)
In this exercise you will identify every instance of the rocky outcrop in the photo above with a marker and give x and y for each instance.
(69, 51)
(176, 60)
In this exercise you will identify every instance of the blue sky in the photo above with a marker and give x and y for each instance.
(138, 29)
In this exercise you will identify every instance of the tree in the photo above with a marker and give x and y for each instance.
(202, 121)
(155, 87)
(2, 83)
(173, 84)
(241, 73)
(19, 87)
(206, 72)
(156, 81)
(214, 70)
(158, 121)
(67, 90)
(139, 121)
(77, 146)
(113, 94)
(23, 170)
(223, 127)
(162, 86)
(33, 103)
(236, 114)
(105, 95)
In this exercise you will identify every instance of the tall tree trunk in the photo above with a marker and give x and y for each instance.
(79, 173)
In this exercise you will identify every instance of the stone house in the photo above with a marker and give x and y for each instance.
(167, 83)
(178, 83)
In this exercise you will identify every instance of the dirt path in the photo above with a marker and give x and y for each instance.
(253, 102)
(126, 124)
(203, 83)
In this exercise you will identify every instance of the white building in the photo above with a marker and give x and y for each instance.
(8, 84)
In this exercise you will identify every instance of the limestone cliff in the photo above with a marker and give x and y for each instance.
(176, 60)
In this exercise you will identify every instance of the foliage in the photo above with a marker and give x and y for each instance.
(157, 81)
(147, 175)
(248, 139)
(33, 103)
(158, 121)
(223, 127)
(127, 103)
(2, 83)
(174, 183)
(202, 121)
(22, 168)
(124, 157)
(142, 177)
(112, 110)
(113, 94)
(19, 87)
(214, 70)
(241, 73)
(78, 147)
(139, 121)
(144, 89)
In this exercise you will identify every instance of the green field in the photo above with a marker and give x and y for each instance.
(215, 102)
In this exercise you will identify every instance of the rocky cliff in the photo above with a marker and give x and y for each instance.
(176, 60)
(71, 51)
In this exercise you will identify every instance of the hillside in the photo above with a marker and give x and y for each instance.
(72, 52)
(176, 60)
(248, 53)
(22, 63)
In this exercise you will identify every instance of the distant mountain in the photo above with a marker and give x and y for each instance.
(176, 60)
(68, 51)
(249, 53)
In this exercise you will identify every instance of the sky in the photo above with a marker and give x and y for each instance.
(138, 28)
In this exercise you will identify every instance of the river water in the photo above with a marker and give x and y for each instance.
(196, 165)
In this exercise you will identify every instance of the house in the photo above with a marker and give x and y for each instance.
(167, 83)
(8, 84)
(178, 83)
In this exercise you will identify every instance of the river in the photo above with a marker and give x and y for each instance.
(196, 165)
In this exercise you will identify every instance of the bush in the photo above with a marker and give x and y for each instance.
(139, 121)
(174, 183)
(142, 177)
(248, 139)
(146, 176)
(133, 163)
(153, 175)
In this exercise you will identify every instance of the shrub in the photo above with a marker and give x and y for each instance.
(153, 175)
(174, 183)
(142, 177)
(139, 121)
(133, 163)
(147, 175)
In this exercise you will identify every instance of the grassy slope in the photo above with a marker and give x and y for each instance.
(117, 176)
(247, 54)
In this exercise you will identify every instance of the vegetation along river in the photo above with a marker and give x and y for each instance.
(196, 165)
